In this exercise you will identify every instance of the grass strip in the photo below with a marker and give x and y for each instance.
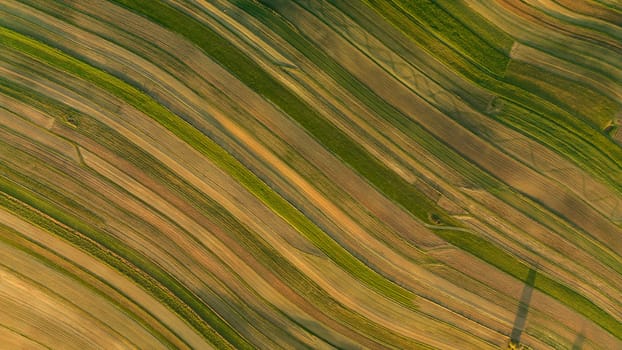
(465, 41)
(478, 24)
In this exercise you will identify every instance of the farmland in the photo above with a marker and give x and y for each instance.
(310, 174)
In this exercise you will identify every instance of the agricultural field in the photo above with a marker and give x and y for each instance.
(310, 174)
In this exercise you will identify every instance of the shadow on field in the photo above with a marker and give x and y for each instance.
(578, 343)
(523, 307)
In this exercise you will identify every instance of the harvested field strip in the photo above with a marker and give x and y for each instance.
(586, 43)
(593, 9)
(558, 18)
(96, 286)
(529, 30)
(599, 82)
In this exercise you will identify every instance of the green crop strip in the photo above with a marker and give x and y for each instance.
(478, 24)
(206, 146)
(457, 34)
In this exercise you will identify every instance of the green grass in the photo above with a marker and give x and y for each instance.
(412, 23)
(200, 142)
(478, 24)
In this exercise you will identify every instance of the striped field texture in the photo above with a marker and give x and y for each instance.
(310, 174)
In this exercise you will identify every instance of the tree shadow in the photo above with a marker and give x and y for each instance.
(523, 307)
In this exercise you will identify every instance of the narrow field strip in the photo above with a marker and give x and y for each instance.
(103, 250)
